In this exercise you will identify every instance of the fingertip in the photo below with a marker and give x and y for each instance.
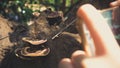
(78, 52)
(77, 58)
(115, 3)
(65, 63)
(82, 8)
(65, 60)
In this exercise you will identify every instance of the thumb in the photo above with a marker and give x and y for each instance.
(100, 31)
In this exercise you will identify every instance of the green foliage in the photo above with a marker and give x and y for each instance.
(23, 9)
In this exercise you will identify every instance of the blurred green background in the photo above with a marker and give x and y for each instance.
(21, 10)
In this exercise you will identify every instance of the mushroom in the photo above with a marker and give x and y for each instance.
(36, 42)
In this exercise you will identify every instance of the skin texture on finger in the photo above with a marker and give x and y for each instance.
(102, 35)
(115, 3)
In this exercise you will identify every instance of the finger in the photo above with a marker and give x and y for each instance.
(80, 60)
(102, 35)
(98, 62)
(65, 63)
(115, 3)
(77, 58)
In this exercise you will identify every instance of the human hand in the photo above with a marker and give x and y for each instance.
(107, 54)
(115, 3)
